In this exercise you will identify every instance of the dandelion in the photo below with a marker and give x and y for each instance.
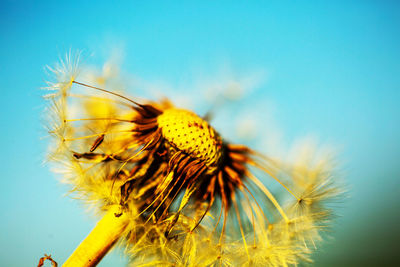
(172, 188)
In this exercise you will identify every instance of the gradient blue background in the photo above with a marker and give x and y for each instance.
(333, 69)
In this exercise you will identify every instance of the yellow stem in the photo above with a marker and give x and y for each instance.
(100, 240)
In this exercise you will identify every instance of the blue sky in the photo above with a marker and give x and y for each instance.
(326, 69)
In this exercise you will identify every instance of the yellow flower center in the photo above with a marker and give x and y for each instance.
(189, 133)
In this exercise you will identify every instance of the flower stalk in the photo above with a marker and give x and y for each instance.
(100, 240)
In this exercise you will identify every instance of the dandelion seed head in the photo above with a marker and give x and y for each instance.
(192, 197)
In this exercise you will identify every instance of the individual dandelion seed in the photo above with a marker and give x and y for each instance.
(169, 184)
(49, 258)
